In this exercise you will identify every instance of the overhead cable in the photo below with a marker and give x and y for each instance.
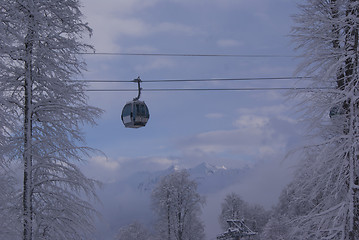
(206, 89)
(194, 80)
(190, 55)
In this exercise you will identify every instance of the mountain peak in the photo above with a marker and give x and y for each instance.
(205, 168)
(173, 168)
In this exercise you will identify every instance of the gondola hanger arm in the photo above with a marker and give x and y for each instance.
(138, 80)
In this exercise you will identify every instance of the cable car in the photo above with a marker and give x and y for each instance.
(135, 113)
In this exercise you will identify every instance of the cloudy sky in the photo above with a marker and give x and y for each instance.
(223, 128)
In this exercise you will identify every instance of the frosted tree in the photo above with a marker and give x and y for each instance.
(134, 231)
(327, 183)
(233, 208)
(9, 213)
(39, 58)
(275, 229)
(288, 208)
(257, 217)
(178, 205)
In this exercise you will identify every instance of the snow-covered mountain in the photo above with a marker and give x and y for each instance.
(209, 178)
(129, 199)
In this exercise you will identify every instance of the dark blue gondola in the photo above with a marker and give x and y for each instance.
(135, 113)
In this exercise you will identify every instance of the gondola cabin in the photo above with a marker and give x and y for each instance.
(135, 114)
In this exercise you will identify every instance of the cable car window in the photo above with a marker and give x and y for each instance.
(146, 111)
(143, 112)
(127, 110)
(138, 109)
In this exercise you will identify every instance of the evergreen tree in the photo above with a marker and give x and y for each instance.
(39, 58)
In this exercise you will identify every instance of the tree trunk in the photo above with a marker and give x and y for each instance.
(168, 215)
(27, 155)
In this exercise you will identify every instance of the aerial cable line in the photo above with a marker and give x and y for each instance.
(196, 80)
(207, 89)
(190, 55)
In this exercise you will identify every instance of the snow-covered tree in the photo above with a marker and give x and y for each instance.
(134, 231)
(9, 213)
(178, 205)
(276, 229)
(40, 42)
(257, 217)
(288, 208)
(327, 182)
(234, 208)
